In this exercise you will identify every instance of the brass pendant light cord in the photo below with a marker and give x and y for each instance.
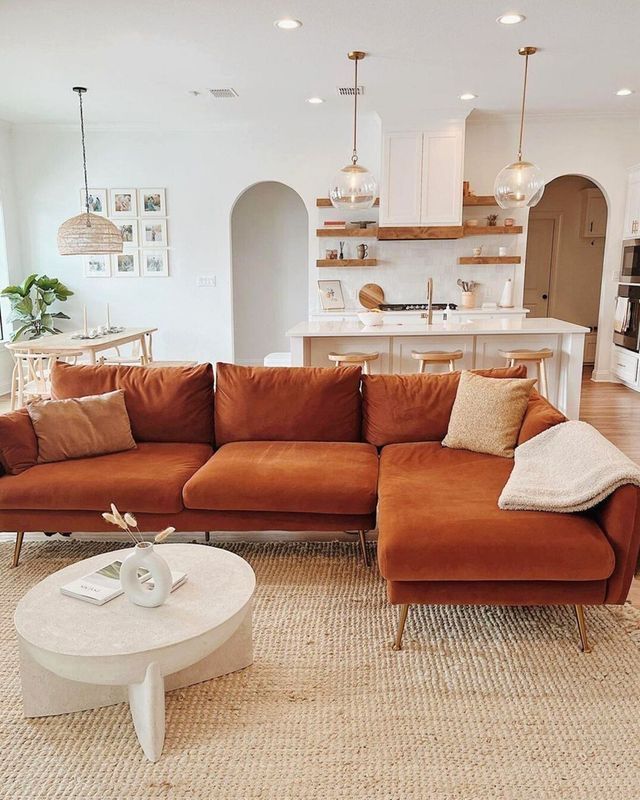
(524, 97)
(354, 155)
(80, 90)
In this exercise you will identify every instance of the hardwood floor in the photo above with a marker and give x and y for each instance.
(610, 407)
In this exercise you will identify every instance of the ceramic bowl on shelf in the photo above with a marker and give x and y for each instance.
(371, 318)
(472, 223)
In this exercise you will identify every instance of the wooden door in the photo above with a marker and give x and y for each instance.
(542, 240)
(401, 178)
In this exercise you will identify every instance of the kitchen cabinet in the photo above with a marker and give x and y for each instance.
(625, 366)
(594, 214)
(422, 177)
(632, 208)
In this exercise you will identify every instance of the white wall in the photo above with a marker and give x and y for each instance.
(270, 254)
(599, 147)
(204, 173)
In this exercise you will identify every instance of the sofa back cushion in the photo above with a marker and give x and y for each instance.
(18, 443)
(304, 404)
(165, 404)
(539, 416)
(416, 407)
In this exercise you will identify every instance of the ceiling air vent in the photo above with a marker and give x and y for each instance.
(349, 91)
(222, 93)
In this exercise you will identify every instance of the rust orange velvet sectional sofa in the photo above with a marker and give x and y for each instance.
(326, 449)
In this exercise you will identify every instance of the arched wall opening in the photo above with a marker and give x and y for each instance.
(269, 264)
(565, 254)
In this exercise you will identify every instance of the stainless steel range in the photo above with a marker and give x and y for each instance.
(417, 306)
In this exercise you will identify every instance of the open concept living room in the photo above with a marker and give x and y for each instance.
(320, 400)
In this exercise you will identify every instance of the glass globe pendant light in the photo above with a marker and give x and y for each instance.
(354, 186)
(521, 183)
(87, 233)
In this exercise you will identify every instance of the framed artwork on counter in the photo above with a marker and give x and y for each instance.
(331, 297)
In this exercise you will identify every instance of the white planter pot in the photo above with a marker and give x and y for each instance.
(145, 557)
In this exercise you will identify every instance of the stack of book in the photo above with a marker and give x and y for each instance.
(103, 585)
(335, 224)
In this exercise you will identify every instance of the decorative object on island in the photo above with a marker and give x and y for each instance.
(362, 251)
(331, 297)
(492, 220)
(520, 184)
(354, 186)
(30, 305)
(88, 233)
(144, 558)
(371, 318)
(506, 298)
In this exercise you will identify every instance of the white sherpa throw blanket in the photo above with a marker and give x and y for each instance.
(570, 467)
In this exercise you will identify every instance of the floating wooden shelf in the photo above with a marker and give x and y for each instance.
(491, 230)
(479, 200)
(489, 260)
(324, 202)
(407, 232)
(346, 262)
(346, 233)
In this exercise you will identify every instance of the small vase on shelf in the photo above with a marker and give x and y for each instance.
(144, 557)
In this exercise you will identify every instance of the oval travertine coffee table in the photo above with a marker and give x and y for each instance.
(75, 655)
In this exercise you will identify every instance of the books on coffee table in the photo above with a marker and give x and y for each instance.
(103, 585)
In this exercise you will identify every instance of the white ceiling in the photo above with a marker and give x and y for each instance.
(140, 58)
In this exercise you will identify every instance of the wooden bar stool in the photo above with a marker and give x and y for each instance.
(537, 356)
(354, 358)
(437, 357)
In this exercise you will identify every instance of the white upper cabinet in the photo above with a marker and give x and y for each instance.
(632, 210)
(422, 177)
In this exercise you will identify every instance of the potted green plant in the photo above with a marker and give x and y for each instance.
(30, 305)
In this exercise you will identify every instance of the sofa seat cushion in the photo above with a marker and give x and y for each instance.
(306, 477)
(149, 478)
(439, 520)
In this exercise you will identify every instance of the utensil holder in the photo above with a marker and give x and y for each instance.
(468, 300)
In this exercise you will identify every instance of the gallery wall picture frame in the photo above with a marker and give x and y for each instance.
(153, 203)
(123, 203)
(98, 266)
(97, 202)
(153, 232)
(155, 263)
(331, 297)
(125, 265)
(129, 230)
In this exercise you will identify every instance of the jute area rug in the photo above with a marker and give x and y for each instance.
(487, 703)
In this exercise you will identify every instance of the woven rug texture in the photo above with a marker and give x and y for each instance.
(484, 703)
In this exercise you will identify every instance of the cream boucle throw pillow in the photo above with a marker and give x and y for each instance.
(487, 414)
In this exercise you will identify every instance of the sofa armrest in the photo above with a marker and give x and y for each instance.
(619, 518)
(539, 416)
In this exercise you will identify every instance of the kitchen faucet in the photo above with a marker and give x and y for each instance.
(429, 314)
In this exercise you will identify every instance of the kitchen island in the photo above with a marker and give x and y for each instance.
(480, 340)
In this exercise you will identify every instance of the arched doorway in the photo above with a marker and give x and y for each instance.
(565, 255)
(269, 258)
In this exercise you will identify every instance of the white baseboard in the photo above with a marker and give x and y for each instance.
(603, 376)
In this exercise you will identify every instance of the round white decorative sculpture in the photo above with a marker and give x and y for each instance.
(144, 557)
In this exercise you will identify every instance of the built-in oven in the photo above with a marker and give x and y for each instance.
(626, 320)
(630, 272)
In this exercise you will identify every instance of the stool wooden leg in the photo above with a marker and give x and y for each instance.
(422, 366)
(365, 367)
(542, 378)
(404, 610)
(452, 366)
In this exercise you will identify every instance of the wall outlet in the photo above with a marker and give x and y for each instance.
(206, 280)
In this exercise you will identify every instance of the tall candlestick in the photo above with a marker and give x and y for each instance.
(84, 314)
(108, 318)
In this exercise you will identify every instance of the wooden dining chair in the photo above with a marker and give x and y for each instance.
(31, 376)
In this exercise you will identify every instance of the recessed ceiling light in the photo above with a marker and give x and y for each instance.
(624, 92)
(468, 96)
(511, 19)
(315, 100)
(287, 24)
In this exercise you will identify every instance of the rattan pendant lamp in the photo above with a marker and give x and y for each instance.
(87, 234)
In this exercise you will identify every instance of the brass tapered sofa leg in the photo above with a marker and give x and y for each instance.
(362, 535)
(404, 611)
(17, 548)
(582, 628)
(207, 536)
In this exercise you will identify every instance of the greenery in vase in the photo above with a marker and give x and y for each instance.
(30, 305)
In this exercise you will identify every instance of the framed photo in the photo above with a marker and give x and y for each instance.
(153, 203)
(125, 265)
(129, 230)
(155, 263)
(123, 203)
(97, 266)
(153, 232)
(97, 201)
(330, 295)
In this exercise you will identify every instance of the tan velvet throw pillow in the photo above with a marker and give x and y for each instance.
(487, 414)
(81, 426)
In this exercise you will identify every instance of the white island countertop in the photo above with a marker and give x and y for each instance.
(475, 327)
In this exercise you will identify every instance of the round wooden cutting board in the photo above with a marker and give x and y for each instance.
(371, 295)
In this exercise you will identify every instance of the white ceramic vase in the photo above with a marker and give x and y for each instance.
(145, 557)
